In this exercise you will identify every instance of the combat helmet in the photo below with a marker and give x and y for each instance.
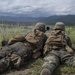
(59, 26)
(40, 26)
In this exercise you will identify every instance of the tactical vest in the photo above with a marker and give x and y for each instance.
(56, 41)
(34, 37)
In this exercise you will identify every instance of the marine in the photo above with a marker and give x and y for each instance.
(22, 49)
(57, 50)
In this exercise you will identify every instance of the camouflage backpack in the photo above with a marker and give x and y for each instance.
(57, 37)
(34, 37)
(55, 40)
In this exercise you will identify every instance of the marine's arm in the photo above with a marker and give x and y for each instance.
(69, 43)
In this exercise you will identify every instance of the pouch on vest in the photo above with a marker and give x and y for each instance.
(57, 38)
(34, 37)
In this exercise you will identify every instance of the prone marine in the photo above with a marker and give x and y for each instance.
(22, 49)
(58, 50)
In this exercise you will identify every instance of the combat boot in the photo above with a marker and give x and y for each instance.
(45, 71)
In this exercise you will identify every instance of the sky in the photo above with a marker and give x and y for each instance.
(37, 8)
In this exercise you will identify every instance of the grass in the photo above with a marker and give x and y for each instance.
(7, 33)
(34, 67)
(71, 32)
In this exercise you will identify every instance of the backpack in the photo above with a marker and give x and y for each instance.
(56, 39)
(34, 37)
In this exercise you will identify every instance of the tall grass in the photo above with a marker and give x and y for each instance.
(71, 32)
(8, 32)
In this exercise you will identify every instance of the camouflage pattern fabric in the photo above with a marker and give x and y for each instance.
(57, 40)
(19, 53)
(34, 37)
(51, 61)
(59, 26)
(4, 64)
(22, 49)
(15, 60)
(70, 61)
(4, 51)
(54, 58)
(57, 56)
(40, 26)
(15, 48)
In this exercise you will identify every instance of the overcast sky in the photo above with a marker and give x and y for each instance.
(37, 8)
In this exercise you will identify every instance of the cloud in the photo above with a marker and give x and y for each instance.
(38, 8)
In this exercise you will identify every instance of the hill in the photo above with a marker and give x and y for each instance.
(67, 19)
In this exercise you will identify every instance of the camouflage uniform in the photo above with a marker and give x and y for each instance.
(20, 49)
(58, 56)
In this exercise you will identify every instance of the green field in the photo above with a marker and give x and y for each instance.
(7, 32)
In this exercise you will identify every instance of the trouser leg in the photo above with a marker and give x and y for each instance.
(21, 55)
(70, 61)
(67, 58)
(4, 64)
(51, 61)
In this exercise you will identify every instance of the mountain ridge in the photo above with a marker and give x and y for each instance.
(68, 19)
